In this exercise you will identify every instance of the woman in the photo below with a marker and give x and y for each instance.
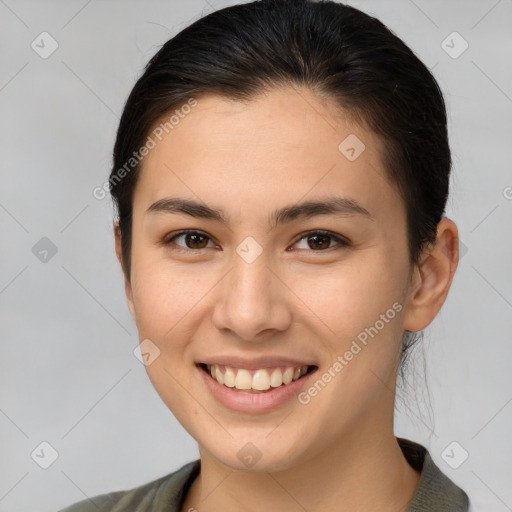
(281, 172)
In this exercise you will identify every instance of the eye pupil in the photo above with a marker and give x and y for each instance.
(195, 237)
(319, 245)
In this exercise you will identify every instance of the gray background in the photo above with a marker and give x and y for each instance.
(68, 374)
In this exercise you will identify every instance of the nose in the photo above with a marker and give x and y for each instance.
(252, 303)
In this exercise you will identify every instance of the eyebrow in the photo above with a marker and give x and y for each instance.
(339, 206)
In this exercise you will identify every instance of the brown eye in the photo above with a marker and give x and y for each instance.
(195, 241)
(321, 240)
(192, 240)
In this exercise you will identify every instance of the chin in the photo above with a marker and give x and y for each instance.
(248, 455)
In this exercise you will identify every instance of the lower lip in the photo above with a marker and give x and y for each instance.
(254, 402)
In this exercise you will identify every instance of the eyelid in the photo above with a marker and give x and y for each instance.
(341, 241)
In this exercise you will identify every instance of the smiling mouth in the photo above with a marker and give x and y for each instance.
(256, 381)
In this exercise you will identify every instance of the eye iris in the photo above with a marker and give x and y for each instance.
(195, 240)
(319, 245)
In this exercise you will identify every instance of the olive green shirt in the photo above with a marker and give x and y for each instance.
(435, 491)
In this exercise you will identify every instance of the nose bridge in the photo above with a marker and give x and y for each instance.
(251, 301)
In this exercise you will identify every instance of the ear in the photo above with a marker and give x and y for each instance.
(433, 277)
(119, 254)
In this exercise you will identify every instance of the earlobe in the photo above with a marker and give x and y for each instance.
(434, 276)
(127, 284)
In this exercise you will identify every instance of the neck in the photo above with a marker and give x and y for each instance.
(367, 471)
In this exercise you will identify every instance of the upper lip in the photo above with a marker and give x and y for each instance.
(254, 363)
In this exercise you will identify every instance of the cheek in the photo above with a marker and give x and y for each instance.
(347, 298)
(168, 303)
(164, 297)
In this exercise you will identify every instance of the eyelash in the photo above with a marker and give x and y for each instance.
(168, 241)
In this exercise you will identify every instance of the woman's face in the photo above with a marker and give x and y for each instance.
(254, 289)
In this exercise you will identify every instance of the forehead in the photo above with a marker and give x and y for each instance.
(284, 144)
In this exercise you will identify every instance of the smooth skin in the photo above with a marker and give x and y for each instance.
(302, 297)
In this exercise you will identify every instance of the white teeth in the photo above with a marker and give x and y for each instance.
(261, 380)
(276, 379)
(218, 375)
(229, 377)
(243, 380)
(288, 375)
